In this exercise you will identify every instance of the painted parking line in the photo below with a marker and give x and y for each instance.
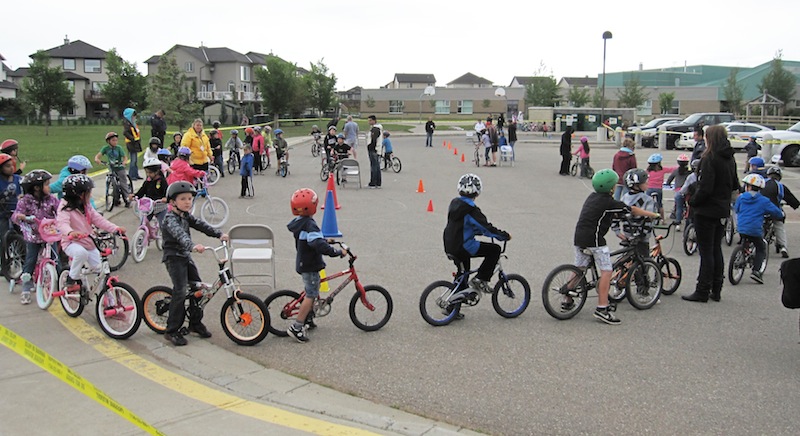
(198, 391)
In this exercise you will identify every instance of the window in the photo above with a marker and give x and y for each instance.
(92, 66)
(98, 86)
(71, 85)
(69, 64)
(211, 87)
(245, 87)
(396, 106)
(188, 67)
(245, 73)
(409, 85)
(465, 107)
(443, 107)
(676, 107)
(231, 86)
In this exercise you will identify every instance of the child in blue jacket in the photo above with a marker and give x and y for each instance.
(750, 209)
(246, 171)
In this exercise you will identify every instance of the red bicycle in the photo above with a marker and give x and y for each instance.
(370, 307)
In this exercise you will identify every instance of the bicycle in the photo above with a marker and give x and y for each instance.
(114, 194)
(149, 229)
(440, 302)
(214, 210)
(393, 162)
(370, 307)
(118, 307)
(234, 161)
(576, 166)
(283, 164)
(45, 274)
(329, 166)
(316, 145)
(12, 254)
(476, 157)
(212, 174)
(670, 267)
(744, 255)
(244, 318)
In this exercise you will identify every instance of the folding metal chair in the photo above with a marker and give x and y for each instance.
(253, 244)
(349, 169)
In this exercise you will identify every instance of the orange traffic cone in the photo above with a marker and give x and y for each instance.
(420, 188)
(430, 205)
(462, 158)
(332, 187)
(455, 151)
(444, 143)
(449, 145)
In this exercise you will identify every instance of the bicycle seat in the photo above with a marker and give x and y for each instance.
(456, 261)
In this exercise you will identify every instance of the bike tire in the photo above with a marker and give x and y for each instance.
(46, 285)
(16, 250)
(729, 231)
(766, 257)
(514, 290)
(231, 165)
(139, 245)
(324, 173)
(397, 166)
(555, 289)
(671, 274)
(244, 319)
(314, 149)
(282, 306)
(215, 212)
(573, 170)
(159, 238)
(646, 277)
(213, 175)
(283, 170)
(441, 312)
(110, 194)
(121, 297)
(120, 248)
(371, 320)
(618, 289)
(689, 240)
(590, 172)
(72, 302)
(737, 265)
(155, 308)
(477, 159)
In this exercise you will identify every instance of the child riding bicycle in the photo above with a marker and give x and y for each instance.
(116, 163)
(154, 187)
(636, 184)
(750, 209)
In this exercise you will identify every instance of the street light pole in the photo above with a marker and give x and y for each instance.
(606, 36)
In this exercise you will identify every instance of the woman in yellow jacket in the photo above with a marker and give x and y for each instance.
(197, 141)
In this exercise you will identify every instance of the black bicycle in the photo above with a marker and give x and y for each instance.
(114, 195)
(234, 161)
(13, 252)
(744, 255)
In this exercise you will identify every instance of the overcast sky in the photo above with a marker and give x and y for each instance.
(365, 42)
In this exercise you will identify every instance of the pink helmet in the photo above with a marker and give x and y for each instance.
(683, 158)
(584, 139)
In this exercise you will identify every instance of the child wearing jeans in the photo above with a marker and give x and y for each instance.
(656, 174)
(311, 245)
(74, 221)
(246, 171)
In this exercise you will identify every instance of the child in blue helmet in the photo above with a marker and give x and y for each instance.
(387, 150)
(655, 181)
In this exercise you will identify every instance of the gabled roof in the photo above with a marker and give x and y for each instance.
(580, 81)
(23, 72)
(414, 78)
(522, 80)
(224, 54)
(76, 49)
(470, 79)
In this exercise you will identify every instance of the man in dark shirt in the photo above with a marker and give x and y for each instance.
(158, 126)
(374, 159)
(430, 126)
(699, 143)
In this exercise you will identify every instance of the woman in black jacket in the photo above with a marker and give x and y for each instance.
(566, 151)
(711, 203)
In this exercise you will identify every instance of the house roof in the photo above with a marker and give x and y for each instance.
(23, 72)
(470, 79)
(414, 78)
(8, 85)
(580, 81)
(76, 49)
(522, 80)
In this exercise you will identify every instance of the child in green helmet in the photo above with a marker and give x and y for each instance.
(593, 224)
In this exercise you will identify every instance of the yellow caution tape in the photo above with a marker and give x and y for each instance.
(24, 348)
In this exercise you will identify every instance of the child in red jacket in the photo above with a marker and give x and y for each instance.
(181, 170)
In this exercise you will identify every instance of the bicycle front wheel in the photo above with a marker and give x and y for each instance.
(72, 302)
(16, 250)
(396, 164)
(139, 247)
(434, 306)
(573, 170)
(282, 307)
(213, 175)
(155, 308)
(283, 169)
(670, 275)
(119, 311)
(110, 191)
(244, 319)
(324, 173)
(689, 240)
(214, 212)
(737, 265)
(314, 149)
(644, 285)
(564, 292)
(512, 296)
(373, 319)
(46, 285)
(477, 159)
(729, 231)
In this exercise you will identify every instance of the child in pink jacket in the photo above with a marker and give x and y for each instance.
(655, 179)
(583, 153)
(74, 220)
(181, 170)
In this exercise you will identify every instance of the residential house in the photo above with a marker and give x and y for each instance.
(589, 84)
(412, 81)
(520, 81)
(8, 89)
(350, 99)
(470, 80)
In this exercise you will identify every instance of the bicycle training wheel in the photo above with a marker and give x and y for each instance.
(46, 285)
(564, 292)
(689, 240)
(215, 212)
(119, 311)
(737, 265)
(644, 285)
(670, 275)
(512, 296)
(282, 307)
(155, 308)
(139, 246)
(16, 249)
(434, 304)
(244, 319)
(373, 319)
(110, 193)
(213, 175)
(396, 164)
(72, 301)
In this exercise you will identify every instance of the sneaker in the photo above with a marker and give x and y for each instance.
(177, 339)
(200, 329)
(784, 253)
(25, 298)
(606, 316)
(298, 334)
(480, 285)
(567, 304)
(310, 324)
(72, 285)
(757, 277)
(27, 287)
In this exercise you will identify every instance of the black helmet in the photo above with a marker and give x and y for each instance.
(155, 141)
(215, 124)
(76, 184)
(33, 178)
(179, 188)
(776, 172)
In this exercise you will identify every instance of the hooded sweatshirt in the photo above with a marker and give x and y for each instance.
(131, 131)
(310, 245)
(716, 182)
(465, 221)
(623, 161)
(750, 209)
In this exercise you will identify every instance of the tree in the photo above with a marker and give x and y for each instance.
(223, 111)
(632, 95)
(542, 91)
(778, 82)
(597, 99)
(370, 102)
(279, 85)
(665, 100)
(321, 87)
(733, 92)
(486, 103)
(46, 89)
(126, 86)
(169, 92)
(578, 96)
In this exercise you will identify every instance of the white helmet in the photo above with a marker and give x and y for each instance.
(469, 185)
(152, 163)
(754, 180)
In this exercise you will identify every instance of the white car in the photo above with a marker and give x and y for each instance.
(739, 134)
(787, 145)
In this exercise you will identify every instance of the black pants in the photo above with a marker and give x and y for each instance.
(490, 254)
(245, 186)
(565, 159)
(182, 271)
(761, 250)
(201, 167)
(257, 163)
(710, 232)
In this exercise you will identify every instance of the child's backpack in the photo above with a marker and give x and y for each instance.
(790, 277)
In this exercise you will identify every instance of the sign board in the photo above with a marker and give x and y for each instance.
(612, 120)
(592, 118)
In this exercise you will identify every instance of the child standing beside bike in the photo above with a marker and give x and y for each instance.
(583, 154)
(750, 209)
(116, 163)
(636, 183)
(177, 257)
(311, 245)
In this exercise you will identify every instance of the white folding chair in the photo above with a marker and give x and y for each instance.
(348, 170)
(506, 155)
(253, 244)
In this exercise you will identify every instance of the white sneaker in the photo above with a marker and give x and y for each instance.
(25, 298)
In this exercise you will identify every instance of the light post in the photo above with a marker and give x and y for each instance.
(429, 91)
(606, 36)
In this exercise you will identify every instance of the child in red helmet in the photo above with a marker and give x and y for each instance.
(311, 245)
(11, 148)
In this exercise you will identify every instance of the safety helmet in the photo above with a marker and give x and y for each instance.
(184, 151)
(604, 180)
(248, 131)
(179, 188)
(176, 134)
(257, 128)
(469, 185)
(331, 128)
(754, 180)
(76, 185)
(757, 162)
(683, 158)
(110, 135)
(152, 164)
(9, 145)
(267, 128)
(655, 158)
(278, 131)
(234, 132)
(304, 202)
(775, 172)
(340, 136)
(634, 177)
(695, 164)
(33, 178)
(215, 124)
(4, 158)
(584, 139)
(386, 133)
(79, 162)
(155, 141)
(163, 152)
(314, 127)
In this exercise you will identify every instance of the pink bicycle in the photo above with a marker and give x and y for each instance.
(149, 229)
(45, 275)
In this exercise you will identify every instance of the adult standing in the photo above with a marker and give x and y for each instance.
(158, 126)
(512, 137)
(624, 160)
(494, 137)
(699, 143)
(132, 141)
(566, 151)
(430, 126)
(374, 159)
(197, 141)
(501, 122)
(351, 134)
(711, 203)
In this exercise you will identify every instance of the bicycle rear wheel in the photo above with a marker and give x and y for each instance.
(72, 302)
(119, 311)
(244, 319)
(282, 307)
(737, 265)
(215, 212)
(644, 285)
(670, 275)
(396, 164)
(371, 320)
(16, 250)
(512, 296)
(46, 284)
(213, 175)
(119, 249)
(155, 308)
(434, 306)
(564, 292)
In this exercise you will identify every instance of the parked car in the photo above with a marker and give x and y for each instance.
(788, 149)
(693, 121)
(650, 130)
(739, 134)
